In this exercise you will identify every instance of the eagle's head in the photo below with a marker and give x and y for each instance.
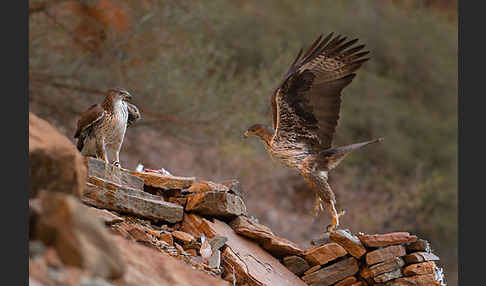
(119, 94)
(259, 130)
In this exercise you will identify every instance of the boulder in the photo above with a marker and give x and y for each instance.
(79, 237)
(54, 162)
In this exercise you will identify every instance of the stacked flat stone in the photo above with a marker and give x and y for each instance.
(238, 247)
(391, 259)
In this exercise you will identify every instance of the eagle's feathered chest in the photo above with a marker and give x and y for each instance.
(114, 124)
(290, 154)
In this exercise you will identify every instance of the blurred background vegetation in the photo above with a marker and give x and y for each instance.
(203, 71)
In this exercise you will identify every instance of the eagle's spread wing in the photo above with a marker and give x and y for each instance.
(91, 116)
(133, 114)
(306, 104)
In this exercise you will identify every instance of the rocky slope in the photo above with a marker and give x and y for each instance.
(95, 224)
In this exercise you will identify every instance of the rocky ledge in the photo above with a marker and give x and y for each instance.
(125, 227)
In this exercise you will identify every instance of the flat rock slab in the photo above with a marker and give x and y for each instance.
(251, 263)
(419, 245)
(384, 254)
(350, 242)
(333, 273)
(419, 268)
(216, 204)
(382, 240)
(388, 276)
(323, 254)
(135, 202)
(107, 217)
(420, 256)
(207, 186)
(347, 281)
(165, 182)
(109, 173)
(296, 264)
(251, 229)
(278, 246)
(183, 237)
(417, 280)
(382, 267)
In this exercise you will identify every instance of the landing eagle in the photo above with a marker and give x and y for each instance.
(305, 108)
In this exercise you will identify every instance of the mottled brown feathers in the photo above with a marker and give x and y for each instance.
(306, 104)
(88, 118)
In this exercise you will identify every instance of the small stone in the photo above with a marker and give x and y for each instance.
(382, 240)
(384, 254)
(167, 237)
(183, 237)
(349, 242)
(419, 245)
(296, 264)
(217, 242)
(333, 273)
(419, 268)
(417, 257)
(214, 261)
(325, 253)
(165, 182)
(216, 204)
(388, 276)
(382, 267)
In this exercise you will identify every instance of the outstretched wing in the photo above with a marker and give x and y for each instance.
(133, 114)
(306, 104)
(91, 116)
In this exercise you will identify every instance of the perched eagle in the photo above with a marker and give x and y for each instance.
(102, 127)
(305, 108)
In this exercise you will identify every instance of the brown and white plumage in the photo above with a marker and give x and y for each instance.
(102, 127)
(305, 110)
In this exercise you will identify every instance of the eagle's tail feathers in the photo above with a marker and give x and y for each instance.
(336, 155)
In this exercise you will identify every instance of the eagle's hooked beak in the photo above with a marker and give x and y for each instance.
(246, 134)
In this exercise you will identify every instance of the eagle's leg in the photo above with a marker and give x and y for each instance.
(117, 156)
(101, 149)
(317, 206)
(335, 216)
(117, 159)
